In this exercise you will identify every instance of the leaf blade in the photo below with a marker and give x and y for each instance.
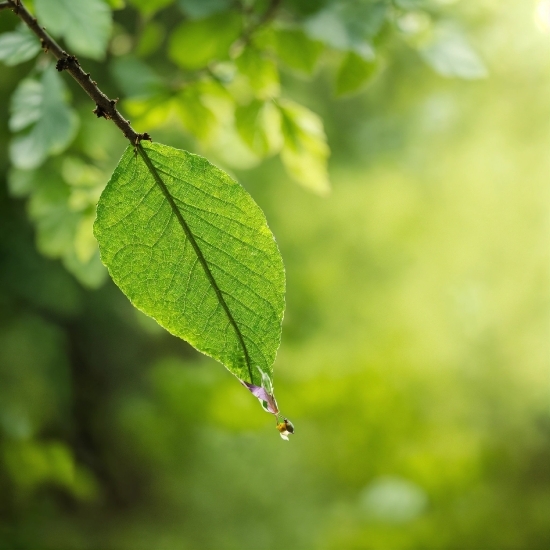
(194, 252)
(18, 46)
(41, 105)
(150, 7)
(85, 24)
(305, 151)
(296, 50)
(449, 54)
(354, 74)
(259, 126)
(261, 72)
(197, 42)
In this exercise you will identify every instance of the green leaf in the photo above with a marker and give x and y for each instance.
(259, 124)
(354, 73)
(327, 27)
(116, 4)
(20, 182)
(149, 7)
(150, 112)
(190, 248)
(84, 24)
(195, 116)
(26, 104)
(134, 77)
(197, 9)
(42, 105)
(150, 39)
(99, 141)
(63, 215)
(414, 4)
(449, 54)
(305, 150)
(55, 223)
(195, 43)
(348, 26)
(261, 72)
(91, 273)
(18, 46)
(295, 49)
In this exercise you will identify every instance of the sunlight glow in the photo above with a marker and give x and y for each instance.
(542, 15)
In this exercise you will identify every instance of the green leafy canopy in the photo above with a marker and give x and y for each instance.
(189, 247)
(185, 242)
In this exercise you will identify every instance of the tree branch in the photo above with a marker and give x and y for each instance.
(105, 107)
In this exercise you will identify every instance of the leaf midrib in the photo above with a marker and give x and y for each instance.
(200, 256)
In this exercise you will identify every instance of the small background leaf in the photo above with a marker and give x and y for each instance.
(202, 262)
(348, 26)
(354, 73)
(18, 46)
(149, 7)
(305, 150)
(194, 114)
(296, 50)
(62, 210)
(150, 112)
(150, 39)
(134, 77)
(116, 4)
(259, 124)
(84, 24)
(195, 43)
(42, 105)
(449, 54)
(261, 72)
(197, 9)
(62, 198)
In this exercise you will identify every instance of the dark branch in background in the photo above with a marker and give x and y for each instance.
(105, 107)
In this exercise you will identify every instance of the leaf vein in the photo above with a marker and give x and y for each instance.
(190, 236)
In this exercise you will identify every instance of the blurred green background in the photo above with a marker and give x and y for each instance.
(414, 361)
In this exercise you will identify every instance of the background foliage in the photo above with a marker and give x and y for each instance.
(414, 359)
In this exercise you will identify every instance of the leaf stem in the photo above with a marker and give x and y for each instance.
(105, 107)
(189, 234)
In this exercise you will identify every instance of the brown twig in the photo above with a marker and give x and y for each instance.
(105, 107)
